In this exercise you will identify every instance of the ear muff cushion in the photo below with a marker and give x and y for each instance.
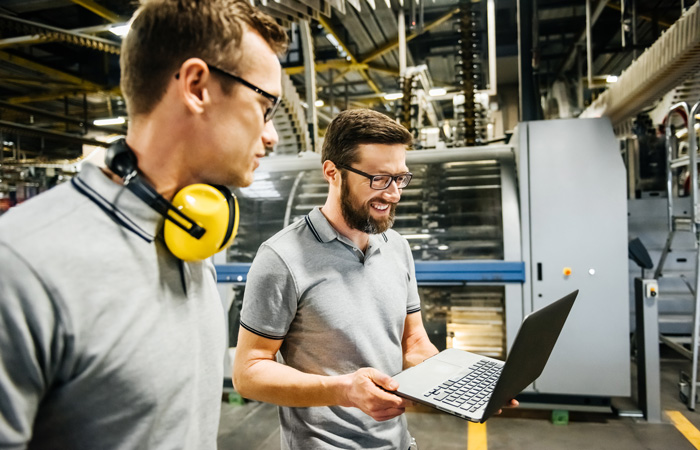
(233, 215)
(209, 208)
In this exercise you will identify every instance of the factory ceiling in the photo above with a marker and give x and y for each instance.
(59, 63)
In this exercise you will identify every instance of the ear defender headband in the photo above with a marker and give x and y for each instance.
(202, 219)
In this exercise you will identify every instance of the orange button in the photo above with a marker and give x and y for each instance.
(567, 271)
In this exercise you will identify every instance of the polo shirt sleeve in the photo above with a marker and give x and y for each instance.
(270, 299)
(32, 340)
(413, 300)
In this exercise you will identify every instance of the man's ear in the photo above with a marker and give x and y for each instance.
(331, 172)
(194, 84)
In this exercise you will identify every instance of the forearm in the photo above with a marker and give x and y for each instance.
(417, 351)
(272, 382)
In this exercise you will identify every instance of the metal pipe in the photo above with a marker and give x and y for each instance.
(331, 96)
(310, 79)
(491, 32)
(670, 139)
(634, 29)
(579, 73)
(421, 14)
(589, 50)
(622, 24)
(528, 97)
(402, 42)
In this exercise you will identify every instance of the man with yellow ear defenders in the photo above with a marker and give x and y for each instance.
(202, 219)
(112, 330)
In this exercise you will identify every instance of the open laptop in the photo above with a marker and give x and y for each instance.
(475, 387)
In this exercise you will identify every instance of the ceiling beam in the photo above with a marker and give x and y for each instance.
(32, 81)
(391, 45)
(343, 65)
(99, 10)
(41, 31)
(31, 39)
(353, 59)
(54, 95)
(58, 117)
(79, 84)
(54, 73)
(26, 130)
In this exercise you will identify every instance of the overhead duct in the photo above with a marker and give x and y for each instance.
(673, 58)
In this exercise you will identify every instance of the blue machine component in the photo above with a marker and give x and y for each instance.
(232, 272)
(426, 271)
(485, 271)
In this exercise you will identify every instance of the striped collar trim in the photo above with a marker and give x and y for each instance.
(323, 231)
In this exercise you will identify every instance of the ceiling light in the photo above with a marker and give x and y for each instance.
(611, 79)
(110, 121)
(120, 30)
(332, 40)
(394, 96)
(319, 103)
(436, 92)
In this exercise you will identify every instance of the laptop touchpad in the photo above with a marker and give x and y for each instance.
(418, 379)
(438, 367)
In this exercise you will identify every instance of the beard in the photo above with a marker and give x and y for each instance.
(361, 218)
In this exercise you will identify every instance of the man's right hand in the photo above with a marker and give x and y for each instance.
(367, 388)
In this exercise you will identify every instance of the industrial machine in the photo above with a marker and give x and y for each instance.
(496, 232)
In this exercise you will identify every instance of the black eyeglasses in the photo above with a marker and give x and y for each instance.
(269, 112)
(381, 182)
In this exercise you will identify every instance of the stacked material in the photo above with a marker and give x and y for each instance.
(475, 323)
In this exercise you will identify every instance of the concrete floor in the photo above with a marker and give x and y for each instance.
(254, 426)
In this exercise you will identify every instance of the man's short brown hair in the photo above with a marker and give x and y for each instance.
(355, 127)
(165, 33)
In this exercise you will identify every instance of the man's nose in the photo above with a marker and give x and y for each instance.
(269, 135)
(392, 193)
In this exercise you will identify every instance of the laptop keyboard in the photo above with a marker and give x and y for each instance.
(471, 391)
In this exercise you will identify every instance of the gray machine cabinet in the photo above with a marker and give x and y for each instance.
(574, 215)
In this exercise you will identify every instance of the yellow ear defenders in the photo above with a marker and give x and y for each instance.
(201, 220)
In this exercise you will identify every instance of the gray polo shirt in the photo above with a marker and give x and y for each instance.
(336, 310)
(107, 341)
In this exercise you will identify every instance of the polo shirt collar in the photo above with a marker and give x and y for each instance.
(324, 231)
(120, 204)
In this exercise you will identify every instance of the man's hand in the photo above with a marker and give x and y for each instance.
(367, 388)
(513, 404)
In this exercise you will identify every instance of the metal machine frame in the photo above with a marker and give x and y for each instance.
(688, 223)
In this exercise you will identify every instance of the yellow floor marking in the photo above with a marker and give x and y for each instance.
(685, 427)
(476, 436)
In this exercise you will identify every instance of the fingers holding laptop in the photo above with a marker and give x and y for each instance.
(512, 404)
(367, 388)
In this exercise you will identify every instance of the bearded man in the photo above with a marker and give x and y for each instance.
(331, 306)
